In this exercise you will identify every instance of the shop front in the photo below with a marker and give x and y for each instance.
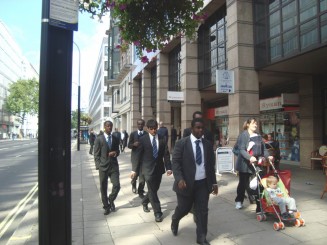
(280, 117)
(221, 126)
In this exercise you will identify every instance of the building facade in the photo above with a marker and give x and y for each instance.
(276, 51)
(13, 66)
(100, 104)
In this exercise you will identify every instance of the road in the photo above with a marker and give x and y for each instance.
(18, 183)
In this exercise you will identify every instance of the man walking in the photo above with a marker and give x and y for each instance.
(133, 144)
(106, 151)
(193, 165)
(91, 140)
(154, 157)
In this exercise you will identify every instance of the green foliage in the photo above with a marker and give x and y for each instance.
(85, 119)
(150, 24)
(23, 98)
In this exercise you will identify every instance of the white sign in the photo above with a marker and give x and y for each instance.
(271, 104)
(224, 81)
(64, 14)
(224, 160)
(175, 96)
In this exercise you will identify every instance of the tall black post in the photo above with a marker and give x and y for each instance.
(54, 133)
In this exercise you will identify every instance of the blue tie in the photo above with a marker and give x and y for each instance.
(198, 154)
(154, 146)
(109, 141)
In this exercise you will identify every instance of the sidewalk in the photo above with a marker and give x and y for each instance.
(130, 225)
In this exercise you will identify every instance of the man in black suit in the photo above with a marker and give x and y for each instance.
(133, 145)
(163, 131)
(154, 157)
(194, 172)
(106, 151)
(206, 133)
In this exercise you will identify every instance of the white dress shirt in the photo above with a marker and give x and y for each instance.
(200, 172)
(156, 137)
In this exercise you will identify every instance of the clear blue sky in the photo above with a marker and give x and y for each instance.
(23, 19)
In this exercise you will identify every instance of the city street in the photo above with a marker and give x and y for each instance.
(18, 183)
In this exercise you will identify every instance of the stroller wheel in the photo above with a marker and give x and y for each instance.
(297, 223)
(281, 225)
(261, 217)
(276, 226)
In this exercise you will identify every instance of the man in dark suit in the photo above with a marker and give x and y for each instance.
(206, 133)
(91, 140)
(194, 172)
(163, 131)
(133, 145)
(106, 151)
(154, 157)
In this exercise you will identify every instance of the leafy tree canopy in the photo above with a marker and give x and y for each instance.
(23, 98)
(149, 24)
(85, 119)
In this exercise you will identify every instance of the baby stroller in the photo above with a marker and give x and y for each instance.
(267, 205)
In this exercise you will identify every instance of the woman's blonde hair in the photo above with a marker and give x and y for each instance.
(271, 179)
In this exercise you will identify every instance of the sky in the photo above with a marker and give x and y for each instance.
(23, 19)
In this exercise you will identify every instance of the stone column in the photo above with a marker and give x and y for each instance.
(163, 106)
(135, 113)
(311, 123)
(244, 103)
(189, 81)
(147, 112)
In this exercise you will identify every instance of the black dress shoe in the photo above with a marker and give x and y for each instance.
(174, 226)
(106, 211)
(145, 208)
(158, 217)
(112, 207)
(205, 242)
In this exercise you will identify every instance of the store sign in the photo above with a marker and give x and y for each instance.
(290, 99)
(225, 81)
(224, 160)
(64, 14)
(271, 104)
(175, 96)
(221, 111)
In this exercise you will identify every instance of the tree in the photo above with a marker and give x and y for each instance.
(85, 119)
(23, 98)
(149, 24)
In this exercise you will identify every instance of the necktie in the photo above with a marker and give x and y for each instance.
(154, 147)
(198, 154)
(109, 140)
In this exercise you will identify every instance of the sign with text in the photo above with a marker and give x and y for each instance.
(224, 81)
(64, 14)
(175, 96)
(270, 104)
(224, 160)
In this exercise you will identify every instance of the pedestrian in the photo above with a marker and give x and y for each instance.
(193, 165)
(125, 140)
(106, 151)
(173, 136)
(248, 154)
(154, 157)
(133, 144)
(206, 134)
(273, 149)
(179, 133)
(163, 131)
(91, 140)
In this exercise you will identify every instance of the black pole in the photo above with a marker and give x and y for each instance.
(54, 161)
(79, 117)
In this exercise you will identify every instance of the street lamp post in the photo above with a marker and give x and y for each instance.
(79, 98)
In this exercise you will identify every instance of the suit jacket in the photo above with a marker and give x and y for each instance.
(184, 166)
(207, 134)
(149, 164)
(101, 150)
(133, 138)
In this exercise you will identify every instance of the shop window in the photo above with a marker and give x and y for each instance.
(175, 69)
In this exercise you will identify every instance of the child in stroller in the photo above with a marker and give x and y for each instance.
(274, 198)
(280, 198)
